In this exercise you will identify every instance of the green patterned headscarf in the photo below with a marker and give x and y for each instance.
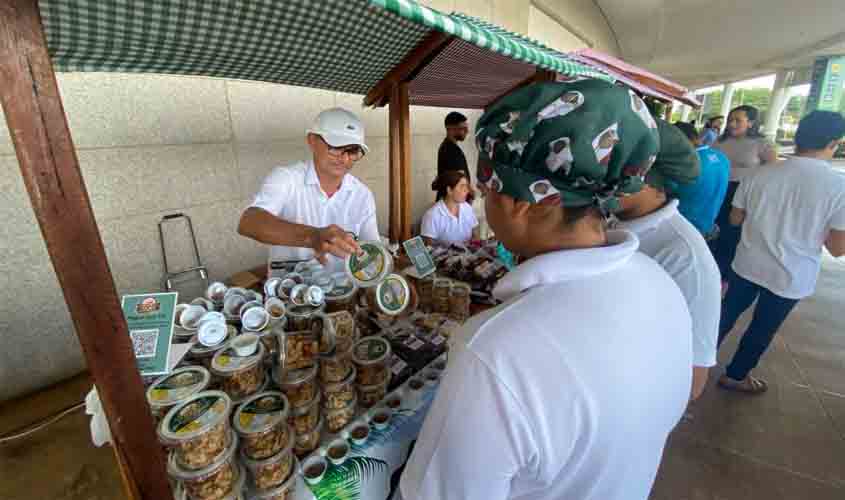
(580, 143)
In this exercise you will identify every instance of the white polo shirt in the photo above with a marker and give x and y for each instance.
(438, 223)
(667, 237)
(790, 210)
(568, 390)
(293, 193)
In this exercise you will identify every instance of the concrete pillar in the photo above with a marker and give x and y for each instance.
(685, 111)
(778, 102)
(727, 97)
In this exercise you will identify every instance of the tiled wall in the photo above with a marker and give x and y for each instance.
(150, 145)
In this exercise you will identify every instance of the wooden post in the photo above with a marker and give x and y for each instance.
(400, 163)
(50, 168)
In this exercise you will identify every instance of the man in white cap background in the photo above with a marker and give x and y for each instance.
(314, 208)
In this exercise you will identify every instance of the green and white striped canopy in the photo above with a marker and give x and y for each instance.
(339, 45)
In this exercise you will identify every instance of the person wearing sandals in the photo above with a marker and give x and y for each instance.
(787, 215)
(570, 388)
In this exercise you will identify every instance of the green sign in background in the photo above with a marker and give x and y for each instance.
(150, 320)
(826, 84)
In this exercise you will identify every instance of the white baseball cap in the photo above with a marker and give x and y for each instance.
(339, 127)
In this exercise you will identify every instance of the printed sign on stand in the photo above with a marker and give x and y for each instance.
(150, 320)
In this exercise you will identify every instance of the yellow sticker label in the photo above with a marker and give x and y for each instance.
(246, 419)
(159, 394)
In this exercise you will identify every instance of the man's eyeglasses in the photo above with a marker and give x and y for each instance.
(355, 153)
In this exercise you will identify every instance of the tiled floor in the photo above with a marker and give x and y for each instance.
(786, 444)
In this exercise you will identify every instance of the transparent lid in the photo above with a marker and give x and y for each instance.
(277, 491)
(393, 294)
(261, 412)
(195, 416)
(300, 376)
(283, 454)
(178, 385)
(226, 362)
(370, 266)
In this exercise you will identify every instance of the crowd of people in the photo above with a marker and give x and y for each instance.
(641, 242)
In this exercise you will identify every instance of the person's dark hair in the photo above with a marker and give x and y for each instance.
(710, 120)
(689, 130)
(753, 115)
(454, 118)
(818, 129)
(446, 180)
(573, 215)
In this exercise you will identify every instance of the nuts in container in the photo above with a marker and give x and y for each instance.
(172, 389)
(300, 349)
(371, 356)
(339, 394)
(240, 376)
(337, 417)
(324, 332)
(301, 317)
(198, 429)
(426, 288)
(216, 481)
(285, 491)
(390, 297)
(440, 295)
(369, 395)
(336, 367)
(272, 471)
(262, 424)
(459, 299)
(299, 386)
(304, 418)
(308, 441)
(344, 329)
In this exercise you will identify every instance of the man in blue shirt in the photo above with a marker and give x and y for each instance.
(700, 201)
(712, 129)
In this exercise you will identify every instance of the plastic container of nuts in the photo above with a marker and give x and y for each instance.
(172, 389)
(304, 418)
(339, 394)
(308, 441)
(301, 317)
(441, 292)
(216, 481)
(299, 386)
(459, 299)
(342, 297)
(240, 376)
(198, 429)
(336, 367)
(369, 395)
(371, 266)
(285, 491)
(272, 471)
(204, 355)
(343, 323)
(371, 356)
(262, 424)
(338, 417)
(391, 297)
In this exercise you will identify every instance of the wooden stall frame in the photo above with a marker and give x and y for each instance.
(50, 168)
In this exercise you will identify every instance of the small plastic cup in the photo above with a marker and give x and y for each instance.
(359, 433)
(337, 451)
(314, 468)
(381, 418)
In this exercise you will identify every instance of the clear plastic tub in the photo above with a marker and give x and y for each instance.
(299, 386)
(339, 394)
(336, 367)
(272, 471)
(285, 491)
(240, 376)
(262, 424)
(308, 441)
(371, 356)
(391, 297)
(217, 481)
(339, 417)
(343, 323)
(301, 349)
(204, 355)
(370, 267)
(343, 297)
(459, 300)
(301, 317)
(198, 429)
(305, 417)
(440, 295)
(369, 395)
(170, 390)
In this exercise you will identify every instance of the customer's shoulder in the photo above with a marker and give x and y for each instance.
(288, 172)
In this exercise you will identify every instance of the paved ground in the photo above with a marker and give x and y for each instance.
(786, 444)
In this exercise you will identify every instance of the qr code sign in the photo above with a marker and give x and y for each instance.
(144, 342)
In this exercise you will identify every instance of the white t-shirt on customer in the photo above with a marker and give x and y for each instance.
(667, 237)
(438, 223)
(789, 212)
(293, 193)
(568, 390)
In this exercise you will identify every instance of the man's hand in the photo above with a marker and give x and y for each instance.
(333, 240)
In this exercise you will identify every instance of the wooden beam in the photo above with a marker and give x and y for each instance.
(405, 178)
(394, 168)
(50, 168)
(417, 59)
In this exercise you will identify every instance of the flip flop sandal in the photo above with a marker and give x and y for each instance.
(750, 385)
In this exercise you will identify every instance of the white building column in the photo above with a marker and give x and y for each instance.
(779, 100)
(685, 111)
(727, 97)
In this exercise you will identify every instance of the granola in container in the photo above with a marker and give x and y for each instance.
(369, 395)
(371, 356)
(339, 394)
(425, 286)
(308, 441)
(299, 386)
(459, 300)
(440, 295)
(336, 367)
(301, 317)
(305, 417)
(342, 297)
(324, 331)
(271, 471)
(172, 389)
(343, 323)
(298, 349)
(216, 481)
(262, 424)
(285, 491)
(342, 411)
(240, 376)
(198, 429)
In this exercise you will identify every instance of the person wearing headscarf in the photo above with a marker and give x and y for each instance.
(571, 386)
(670, 239)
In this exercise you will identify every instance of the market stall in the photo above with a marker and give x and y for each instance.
(386, 49)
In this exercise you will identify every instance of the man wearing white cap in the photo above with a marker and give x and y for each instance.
(314, 208)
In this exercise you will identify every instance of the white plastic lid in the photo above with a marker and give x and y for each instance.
(369, 268)
(255, 319)
(190, 317)
(212, 333)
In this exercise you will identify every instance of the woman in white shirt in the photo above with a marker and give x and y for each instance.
(451, 219)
